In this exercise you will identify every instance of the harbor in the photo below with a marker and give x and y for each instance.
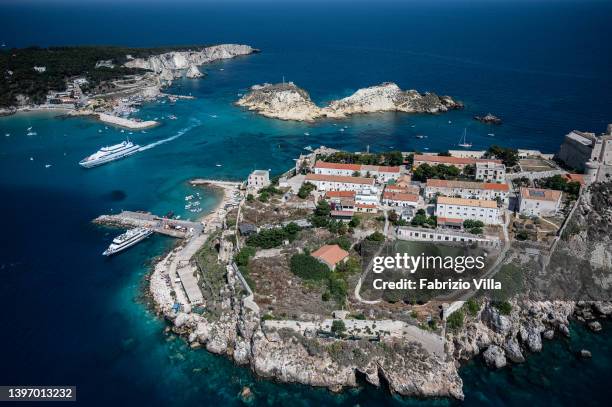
(165, 226)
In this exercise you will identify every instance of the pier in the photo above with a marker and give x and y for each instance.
(170, 227)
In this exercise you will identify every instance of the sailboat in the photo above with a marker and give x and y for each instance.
(463, 142)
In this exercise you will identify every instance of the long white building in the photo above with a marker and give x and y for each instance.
(382, 173)
(467, 189)
(338, 182)
(474, 209)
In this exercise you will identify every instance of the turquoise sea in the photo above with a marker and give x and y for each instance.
(71, 317)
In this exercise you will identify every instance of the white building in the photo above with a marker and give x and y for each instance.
(590, 153)
(459, 162)
(380, 172)
(444, 235)
(491, 172)
(474, 209)
(338, 183)
(467, 153)
(467, 189)
(539, 202)
(258, 179)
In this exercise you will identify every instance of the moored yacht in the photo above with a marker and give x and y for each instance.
(128, 239)
(110, 153)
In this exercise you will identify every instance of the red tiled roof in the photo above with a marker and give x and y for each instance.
(337, 166)
(339, 178)
(451, 221)
(575, 178)
(330, 254)
(539, 194)
(340, 194)
(442, 183)
(398, 196)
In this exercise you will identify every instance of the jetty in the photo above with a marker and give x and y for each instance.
(166, 226)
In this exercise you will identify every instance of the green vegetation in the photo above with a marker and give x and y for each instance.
(321, 218)
(250, 198)
(508, 156)
(350, 266)
(396, 220)
(559, 183)
(338, 327)
(504, 307)
(269, 238)
(440, 171)
(472, 307)
(308, 268)
(355, 221)
(473, 226)
(342, 241)
(393, 158)
(62, 63)
(244, 255)
(376, 237)
(421, 219)
(305, 190)
(455, 320)
(522, 235)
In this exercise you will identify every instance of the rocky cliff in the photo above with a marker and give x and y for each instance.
(170, 65)
(289, 102)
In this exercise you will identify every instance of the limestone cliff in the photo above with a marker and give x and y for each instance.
(170, 65)
(289, 102)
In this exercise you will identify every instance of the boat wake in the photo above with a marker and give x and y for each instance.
(180, 133)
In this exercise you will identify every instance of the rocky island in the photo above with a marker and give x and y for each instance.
(261, 304)
(287, 101)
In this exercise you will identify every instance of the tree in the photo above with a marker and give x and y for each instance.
(455, 320)
(305, 190)
(355, 221)
(250, 198)
(338, 327)
(244, 255)
(509, 156)
(376, 237)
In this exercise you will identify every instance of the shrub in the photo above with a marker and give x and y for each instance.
(308, 268)
(376, 237)
(455, 320)
(342, 241)
(269, 238)
(250, 198)
(243, 256)
(305, 190)
(355, 221)
(338, 327)
(504, 307)
(472, 306)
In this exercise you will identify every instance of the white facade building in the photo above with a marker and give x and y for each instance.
(339, 183)
(400, 199)
(258, 179)
(467, 189)
(491, 172)
(474, 209)
(380, 172)
(539, 202)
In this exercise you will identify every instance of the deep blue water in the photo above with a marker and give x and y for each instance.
(72, 317)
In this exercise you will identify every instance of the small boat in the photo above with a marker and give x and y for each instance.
(341, 129)
(99, 130)
(449, 122)
(307, 134)
(171, 117)
(414, 125)
(31, 158)
(218, 165)
(463, 142)
(426, 148)
(29, 128)
(7, 135)
(189, 197)
(31, 133)
(214, 116)
(420, 136)
(122, 131)
(491, 134)
(308, 148)
(47, 165)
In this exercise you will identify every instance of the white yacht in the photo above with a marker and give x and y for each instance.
(110, 153)
(128, 239)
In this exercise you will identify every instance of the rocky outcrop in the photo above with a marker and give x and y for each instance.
(287, 101)
(193, 72)
(494, 357)
(171, 65)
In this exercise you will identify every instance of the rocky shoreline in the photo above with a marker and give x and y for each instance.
(287, 101)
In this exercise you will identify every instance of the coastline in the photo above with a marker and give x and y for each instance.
(115, 120)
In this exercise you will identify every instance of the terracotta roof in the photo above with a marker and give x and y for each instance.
(356, 167)
(339, 178)
(438, 159)
(366, 205)
(340, 194)
(480, 203)
(380, 168)
(399, 196)
(539, 194)
(341, 213)
(575, 178)
(441, 183)
(337, 166)
(330, 254)
(451, 221)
